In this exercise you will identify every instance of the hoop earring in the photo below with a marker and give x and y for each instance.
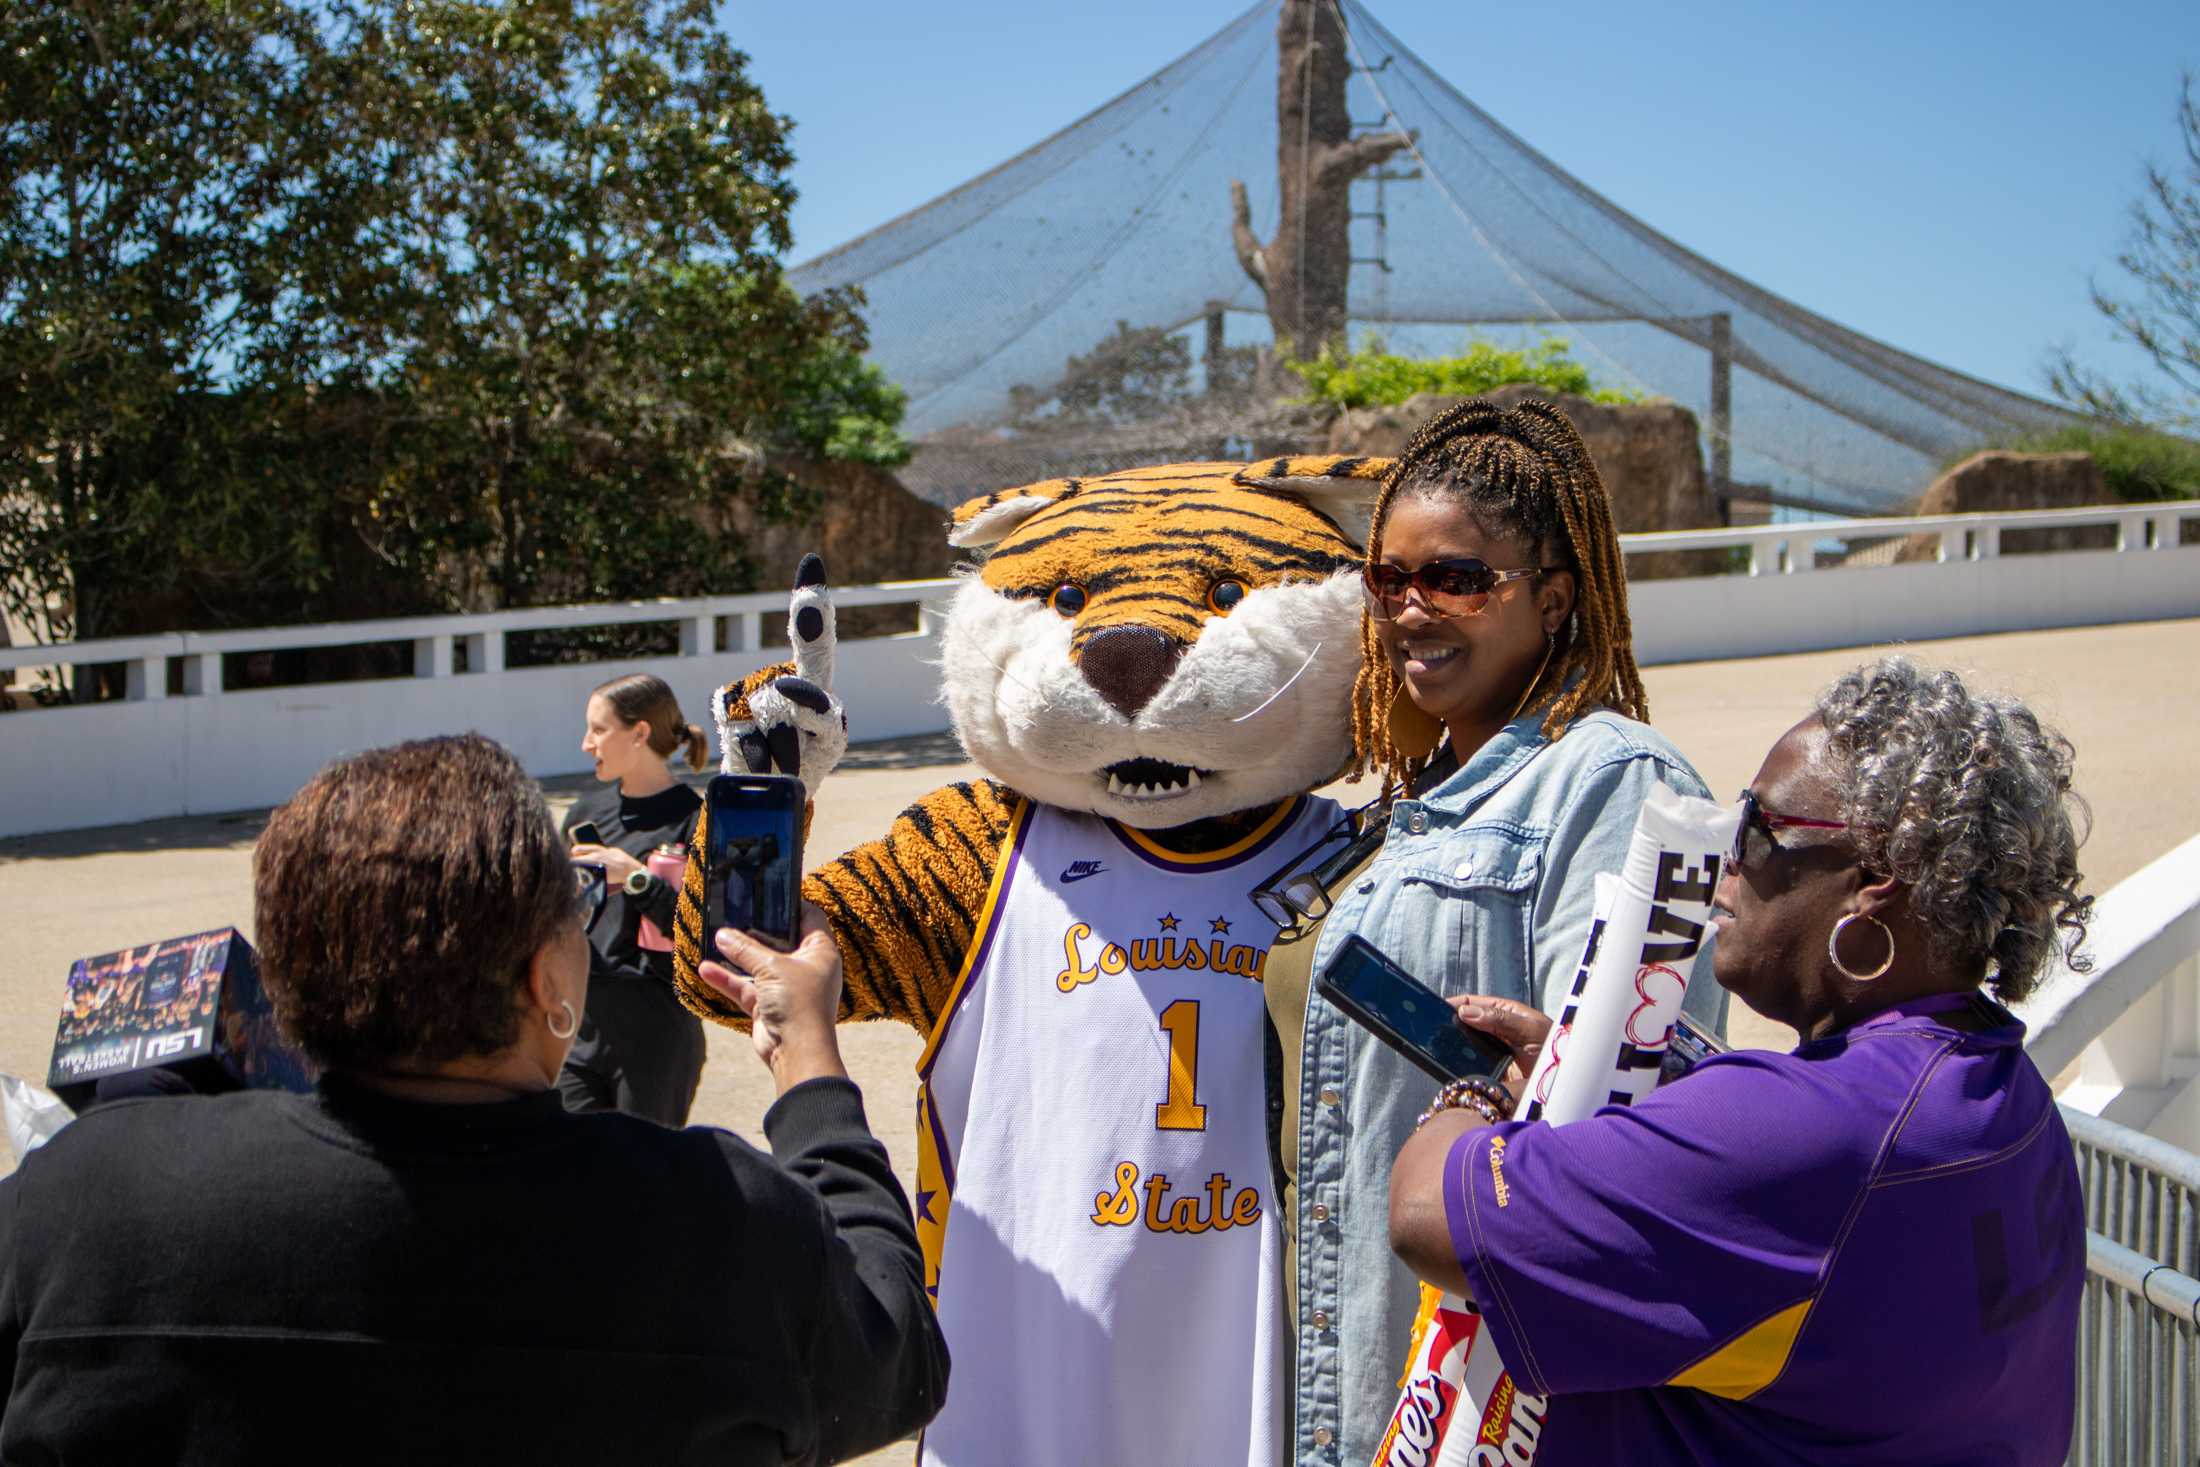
(1413, 730)
(1833, 948)
(572, 1021)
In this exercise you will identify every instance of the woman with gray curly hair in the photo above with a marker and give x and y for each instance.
(1869, 1249)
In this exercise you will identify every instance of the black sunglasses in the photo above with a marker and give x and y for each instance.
(1298, 896)
(590, 886)
(1460, 587)
(1756, 817)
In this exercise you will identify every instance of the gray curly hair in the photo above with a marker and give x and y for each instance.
(1966, 800)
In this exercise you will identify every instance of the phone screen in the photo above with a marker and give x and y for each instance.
(1407, 1015)
(753, 879)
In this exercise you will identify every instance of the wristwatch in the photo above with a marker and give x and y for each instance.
(639, 881)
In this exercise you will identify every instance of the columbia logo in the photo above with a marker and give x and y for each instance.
(1079, 870)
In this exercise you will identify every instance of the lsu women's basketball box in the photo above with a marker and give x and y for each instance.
(192, 1004)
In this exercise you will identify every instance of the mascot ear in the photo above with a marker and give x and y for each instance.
(988, 519)
(1342, 488)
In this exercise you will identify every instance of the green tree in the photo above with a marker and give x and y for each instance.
(145, 152)
(417, 302)
(1373, 375)
(1127, 377)
(2159, 309)
(570, 291)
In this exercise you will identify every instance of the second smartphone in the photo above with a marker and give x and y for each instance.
(1406, 1014)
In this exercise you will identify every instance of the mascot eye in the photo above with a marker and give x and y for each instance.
(1223, 595)
(1068, 598)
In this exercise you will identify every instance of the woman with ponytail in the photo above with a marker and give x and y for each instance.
(1500, 704)
(638, 1049)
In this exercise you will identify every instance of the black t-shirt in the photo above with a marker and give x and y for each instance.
(636, 826)
(344, 1277)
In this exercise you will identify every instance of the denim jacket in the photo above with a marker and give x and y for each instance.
(1483, 885)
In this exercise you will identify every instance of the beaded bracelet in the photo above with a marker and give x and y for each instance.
(1485, 1098)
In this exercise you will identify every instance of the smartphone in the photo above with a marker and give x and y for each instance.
(1690, 1046)
(584, 834)
(752, 878)
(1407, 1015)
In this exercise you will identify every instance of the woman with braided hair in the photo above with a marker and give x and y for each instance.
(1500, 703)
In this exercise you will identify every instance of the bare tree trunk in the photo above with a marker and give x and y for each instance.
(1306, 269)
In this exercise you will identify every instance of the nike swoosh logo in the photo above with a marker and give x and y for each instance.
(1079, 870)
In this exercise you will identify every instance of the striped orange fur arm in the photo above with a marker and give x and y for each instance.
(903, 909)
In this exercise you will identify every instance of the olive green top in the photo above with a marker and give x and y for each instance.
(1286, 979)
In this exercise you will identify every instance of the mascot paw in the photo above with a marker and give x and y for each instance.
(784, 719)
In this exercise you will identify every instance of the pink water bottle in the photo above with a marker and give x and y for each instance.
(668, 864)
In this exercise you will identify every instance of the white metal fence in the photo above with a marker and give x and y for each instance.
(2139, 1323)
(2131, 1030)
(212, 747)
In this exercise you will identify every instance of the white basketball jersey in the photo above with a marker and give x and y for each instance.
(1093, 1190)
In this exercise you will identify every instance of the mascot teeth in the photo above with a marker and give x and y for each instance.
(1150, 779)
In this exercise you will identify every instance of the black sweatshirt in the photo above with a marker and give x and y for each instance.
(343, 1277)
(636, 826)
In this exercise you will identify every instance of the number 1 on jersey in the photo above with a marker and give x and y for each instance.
(1182, 1111)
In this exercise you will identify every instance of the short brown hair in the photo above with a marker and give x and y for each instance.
(398, 898)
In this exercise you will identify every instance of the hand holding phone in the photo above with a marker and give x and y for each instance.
(792, 998)
(1407, 1015)
(584, 834)
(752, 874)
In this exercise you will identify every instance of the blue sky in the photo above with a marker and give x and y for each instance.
(1942, 176)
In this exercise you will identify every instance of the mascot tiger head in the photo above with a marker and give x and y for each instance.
(1162, 645)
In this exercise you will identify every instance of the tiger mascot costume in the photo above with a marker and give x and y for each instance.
(1155, 668)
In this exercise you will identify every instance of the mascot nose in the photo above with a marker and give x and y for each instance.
(1128, 665)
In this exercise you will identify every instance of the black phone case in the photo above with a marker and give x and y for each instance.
(791, 796)
(1381, 1029)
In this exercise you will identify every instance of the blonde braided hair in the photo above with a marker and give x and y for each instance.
(1526, 473)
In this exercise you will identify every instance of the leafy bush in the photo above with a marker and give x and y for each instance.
(1372, 376)
(2139, 465)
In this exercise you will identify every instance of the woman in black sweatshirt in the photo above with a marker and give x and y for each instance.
(638, 1050)
(430, 1259)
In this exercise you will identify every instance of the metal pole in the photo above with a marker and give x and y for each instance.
(1215, 369)
(1722, 410)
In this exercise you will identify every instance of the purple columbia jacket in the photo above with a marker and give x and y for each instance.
(1869, 1250)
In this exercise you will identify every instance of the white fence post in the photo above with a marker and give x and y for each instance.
(202, 675)
(148, 679)
(484, 651)
(432, 656)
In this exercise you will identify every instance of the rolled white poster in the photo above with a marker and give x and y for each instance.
(1457, 1403)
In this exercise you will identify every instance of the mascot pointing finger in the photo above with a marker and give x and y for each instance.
(1154, 670)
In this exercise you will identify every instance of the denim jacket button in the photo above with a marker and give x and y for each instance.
(1366, 887)
(1323, 1436)
(1417, 822)
(1320, 1319)
(1329, 1095)
(1466, 869)
(1321, 1212)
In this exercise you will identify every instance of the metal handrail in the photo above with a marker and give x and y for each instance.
(2138, 1361)
(2140, 1192)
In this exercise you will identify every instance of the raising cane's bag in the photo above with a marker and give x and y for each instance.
(1457, 1405)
